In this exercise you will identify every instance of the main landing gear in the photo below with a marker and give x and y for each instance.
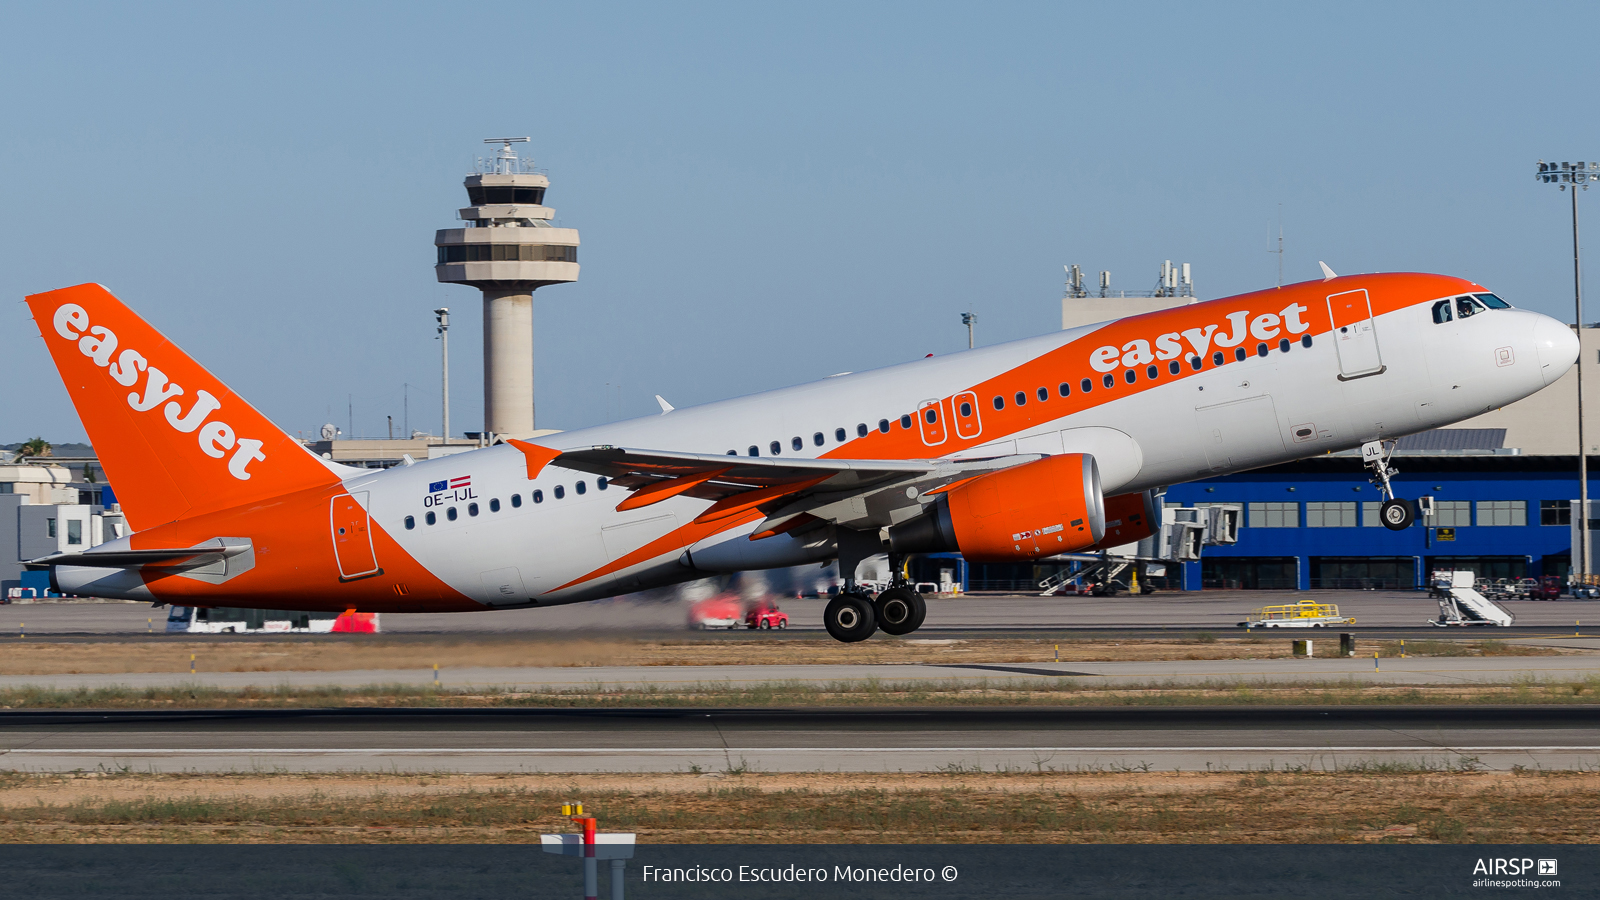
(852, 616)
(1396, 515)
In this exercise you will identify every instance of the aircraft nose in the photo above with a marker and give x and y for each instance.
(1558, 347)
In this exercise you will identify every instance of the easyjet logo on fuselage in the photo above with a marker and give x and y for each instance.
(215, 437)
(1262, 327)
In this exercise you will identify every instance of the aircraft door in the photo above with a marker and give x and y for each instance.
(352, 538)
(930, 419)
(968, 425)
(1355, 337)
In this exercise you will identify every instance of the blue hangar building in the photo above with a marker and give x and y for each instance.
(1314, 523)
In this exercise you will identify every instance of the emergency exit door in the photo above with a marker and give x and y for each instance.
(1355, 337)
(352, 538)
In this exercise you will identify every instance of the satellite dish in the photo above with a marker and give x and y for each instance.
(329, 432)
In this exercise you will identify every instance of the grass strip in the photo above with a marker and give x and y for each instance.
(984, 692)
(1451, 805)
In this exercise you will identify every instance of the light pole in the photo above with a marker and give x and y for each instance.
(442, 315)
(969, 319)
(1563, 175)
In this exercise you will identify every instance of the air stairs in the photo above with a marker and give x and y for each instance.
(1461, 604)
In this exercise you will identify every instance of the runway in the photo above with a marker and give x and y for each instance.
(1165, 673)
(717, 742)
(1378, 614)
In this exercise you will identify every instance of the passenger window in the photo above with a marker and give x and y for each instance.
(1130, 376)
(560, 492)
(1216, 358)
(1196, 362)
(602, 483)
(818, 439)
(581, 487)
(516, 501)
(494, 504)
(1174, 368)
(1441, 312)
(754, 450)
(905, 422)
(796, 444)
(1108, 381)
(430, 518)
(1492, 301)
(1022, 398)
(861, 429)
(1086, 386)
(999, 402)
(1283, 345)
(1239, 354)
(1261, 350)
(450, 514)
(931, 414)
(774, 448)
(411, 522)
(1150, 372)
(1044, 394)
(1305, 340)
(838, 435)
(1064, 389)
(733, 453)
(472, 509)
(883, 426)
(966, 409)
(538, 496)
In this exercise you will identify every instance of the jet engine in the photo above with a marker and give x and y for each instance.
(1049, 506)
(1130, 518)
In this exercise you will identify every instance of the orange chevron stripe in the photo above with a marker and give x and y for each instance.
(673, 540)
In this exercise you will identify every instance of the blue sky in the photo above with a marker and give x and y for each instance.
(766, 193)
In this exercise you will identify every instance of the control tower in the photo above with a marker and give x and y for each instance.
(507, 250)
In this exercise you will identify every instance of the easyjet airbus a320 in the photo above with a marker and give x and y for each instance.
(1015, 452)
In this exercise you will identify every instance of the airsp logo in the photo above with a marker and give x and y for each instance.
(1502, 866)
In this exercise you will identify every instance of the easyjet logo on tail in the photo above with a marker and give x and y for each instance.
(216, 437)
(1263, 327)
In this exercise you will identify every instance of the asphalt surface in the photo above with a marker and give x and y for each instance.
(729, 741)
(1165, 673)
(1377, 614)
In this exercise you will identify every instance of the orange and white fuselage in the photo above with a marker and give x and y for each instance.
(231, 511)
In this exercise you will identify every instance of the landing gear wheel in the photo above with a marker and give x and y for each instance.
(1397, 514)
(850, 618)
(899, 610)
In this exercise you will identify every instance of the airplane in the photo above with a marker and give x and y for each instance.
(1013, 452)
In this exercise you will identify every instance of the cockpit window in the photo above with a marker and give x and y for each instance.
(1441, 312)
(1466, 306)
(1492, 301)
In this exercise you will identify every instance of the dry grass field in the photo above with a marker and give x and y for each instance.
(22, 657)
(1454, 803)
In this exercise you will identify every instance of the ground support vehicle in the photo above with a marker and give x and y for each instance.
(766, 614)
(1462, 604)
(227, 620)
(1305, 614)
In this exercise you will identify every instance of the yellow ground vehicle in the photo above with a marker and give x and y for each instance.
(1305, 614)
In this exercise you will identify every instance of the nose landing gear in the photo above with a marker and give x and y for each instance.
(1396, 515)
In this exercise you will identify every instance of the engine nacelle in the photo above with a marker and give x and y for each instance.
(1037, 509)
(1130, 518)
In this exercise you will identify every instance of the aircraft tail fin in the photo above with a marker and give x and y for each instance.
(173, 440)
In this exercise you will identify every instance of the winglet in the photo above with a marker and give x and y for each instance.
(665, 406)
(1327, 273)
(538, 457)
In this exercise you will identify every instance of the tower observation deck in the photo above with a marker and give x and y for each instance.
(507, 250)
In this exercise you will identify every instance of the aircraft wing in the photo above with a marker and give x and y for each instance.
(794, 494)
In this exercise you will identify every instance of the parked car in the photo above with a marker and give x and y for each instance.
(766, 614)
